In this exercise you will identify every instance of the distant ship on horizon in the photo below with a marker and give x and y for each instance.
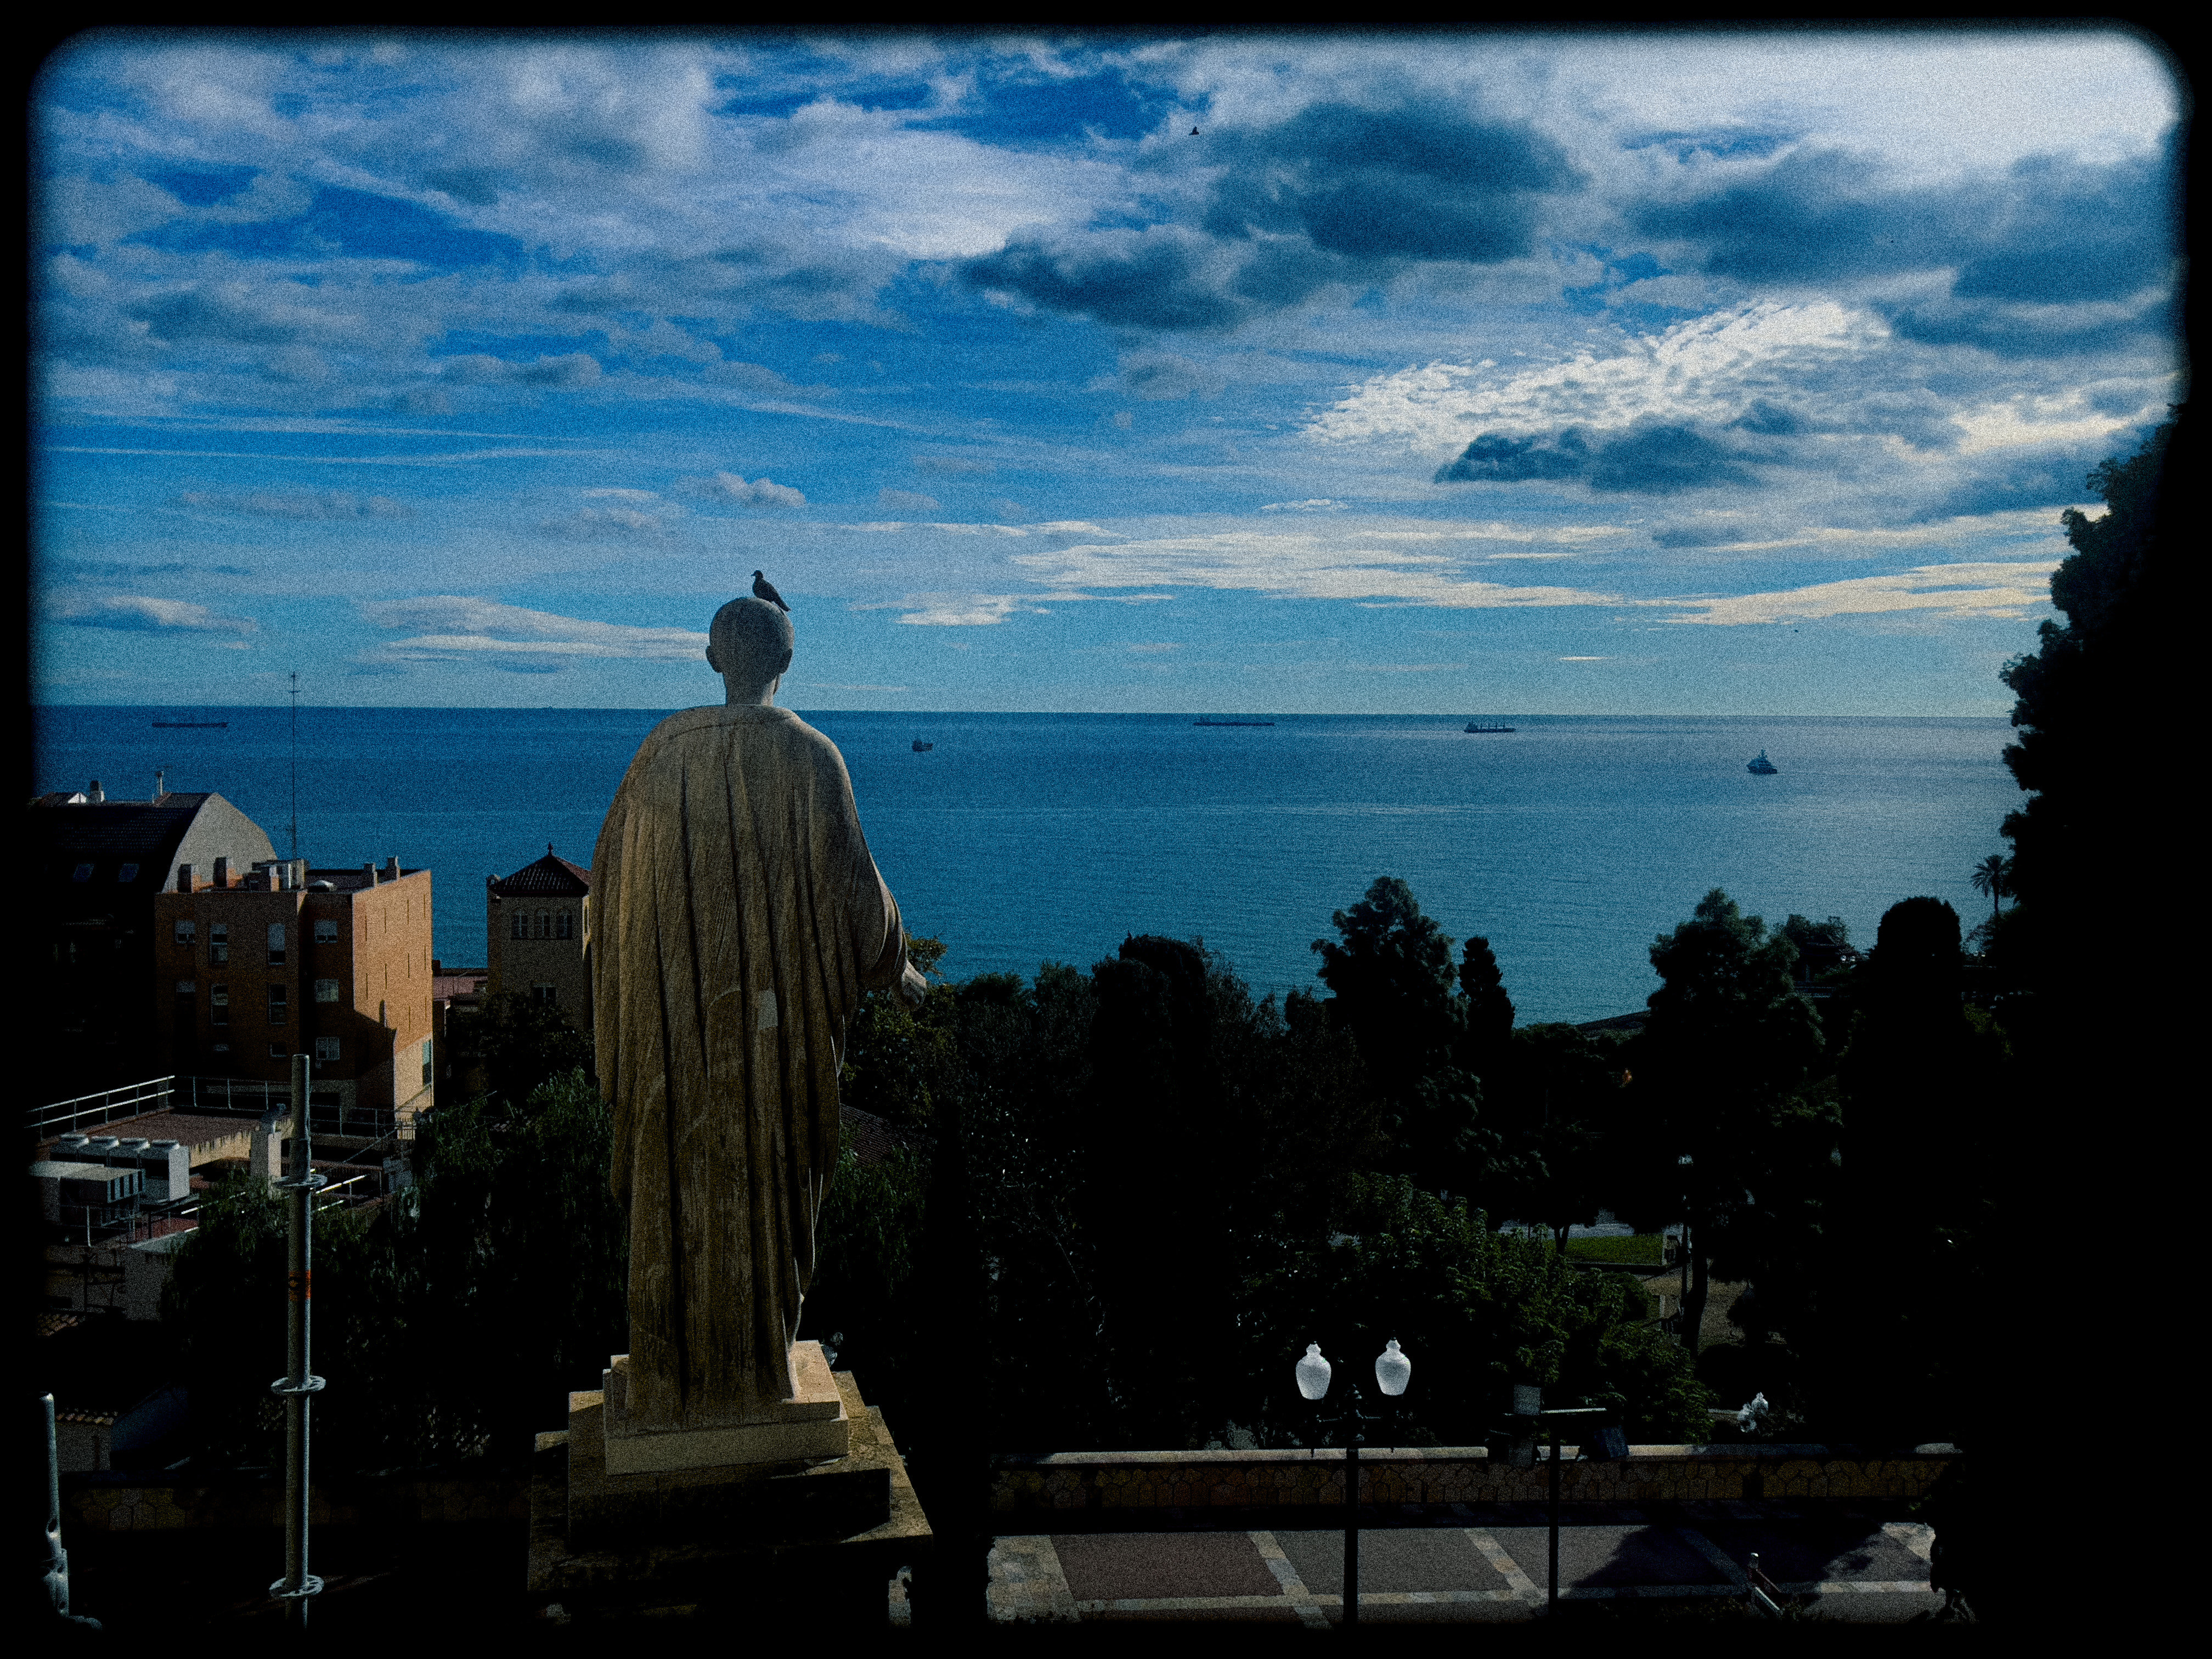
(1764, 767)
(1476, 725)
(1207, 720)
(173, 725)
(922, 748)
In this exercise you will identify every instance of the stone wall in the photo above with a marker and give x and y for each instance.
(108, 1502)
(1057, 1481)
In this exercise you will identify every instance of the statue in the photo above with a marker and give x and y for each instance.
(738, 918)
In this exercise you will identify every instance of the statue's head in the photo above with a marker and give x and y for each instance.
(748, 645)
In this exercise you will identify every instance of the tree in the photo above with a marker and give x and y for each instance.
(1393, 990)
(1724, 1138)
(520, 1043)
(1562, 1099)
(1478, 1311)
(1992, 879)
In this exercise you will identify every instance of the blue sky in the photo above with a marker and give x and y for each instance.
(1729, 374)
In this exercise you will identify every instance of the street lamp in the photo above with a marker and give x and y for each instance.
(1392, 1371)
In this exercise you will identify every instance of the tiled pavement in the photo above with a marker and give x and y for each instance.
(1489, 1563)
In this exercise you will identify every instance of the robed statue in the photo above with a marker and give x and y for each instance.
(738, 919)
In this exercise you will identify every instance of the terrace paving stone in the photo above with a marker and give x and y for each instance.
(1153, 1566)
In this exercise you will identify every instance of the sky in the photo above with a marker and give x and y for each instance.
(1728, 374)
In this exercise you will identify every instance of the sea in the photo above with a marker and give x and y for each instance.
(1570, 842)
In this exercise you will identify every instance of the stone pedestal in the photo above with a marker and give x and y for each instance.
(774, 1528)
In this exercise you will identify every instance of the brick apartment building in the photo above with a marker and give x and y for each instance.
(253, 967)
(538, 928)
(95, 863)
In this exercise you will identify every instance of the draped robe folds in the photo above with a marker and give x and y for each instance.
(737, 917)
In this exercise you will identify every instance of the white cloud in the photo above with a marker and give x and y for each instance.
(616, 523)
(762, 491)
(295, 504)
(462, 627)
(905, 501)
(1291, 563)
(958, 609)
(141, 613)
(1708, 368)
(1986, 589)
(1320, 504)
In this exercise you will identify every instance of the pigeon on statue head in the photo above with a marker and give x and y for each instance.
(765, 589)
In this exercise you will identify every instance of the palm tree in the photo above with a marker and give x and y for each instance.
(1993, 879)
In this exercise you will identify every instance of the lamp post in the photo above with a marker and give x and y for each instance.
(298, 1385)
(1392, 1370)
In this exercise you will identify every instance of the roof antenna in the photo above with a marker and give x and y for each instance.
(161, 786)
(295, 763)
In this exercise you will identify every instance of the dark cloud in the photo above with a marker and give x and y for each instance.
(2047, 232)
(2014, 483)
(1655, 460)
(1151, 279)
(348, 223)
(1335, 193)
(227, 312)
(1659, 460)
(1424, 181)
(1495, 459)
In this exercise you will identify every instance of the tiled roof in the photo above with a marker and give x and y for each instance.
(549, 878)
(125, 830)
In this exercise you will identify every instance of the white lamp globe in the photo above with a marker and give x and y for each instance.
(1392, 1369)
(1313, 1373)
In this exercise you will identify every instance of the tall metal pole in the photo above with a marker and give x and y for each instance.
(299, 1383)
(1553, 1609)
(1351, 1518)
(295, 764)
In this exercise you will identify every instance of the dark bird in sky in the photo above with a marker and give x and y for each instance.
(1194, 132)
(765, 589)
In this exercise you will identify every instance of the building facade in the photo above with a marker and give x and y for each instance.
(254, 967)
(97, 863)
(538, 929)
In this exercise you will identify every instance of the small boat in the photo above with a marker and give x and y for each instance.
(921, 748)
(1472, 726)
(1206, 720)
(1764, 767)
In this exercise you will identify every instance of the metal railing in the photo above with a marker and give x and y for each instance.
(132, 1100)
(202, 1097)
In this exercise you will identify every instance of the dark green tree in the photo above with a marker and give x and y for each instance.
(519, 1042)
(1992, 879)
(1394, 989)
(1725, 1141)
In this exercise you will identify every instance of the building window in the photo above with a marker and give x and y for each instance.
(128, 872)
(427, 1062)
(219, 1005)
(187, 987)
(327, 1051)
(275, 944)
(326, 931)
(220, 1049)
(520, 929)
(278, 1051)
(83, 873)
(278, 996)
(545, 992)
(218, 941)
(327, 990)
(564, 926)
(187, 932)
